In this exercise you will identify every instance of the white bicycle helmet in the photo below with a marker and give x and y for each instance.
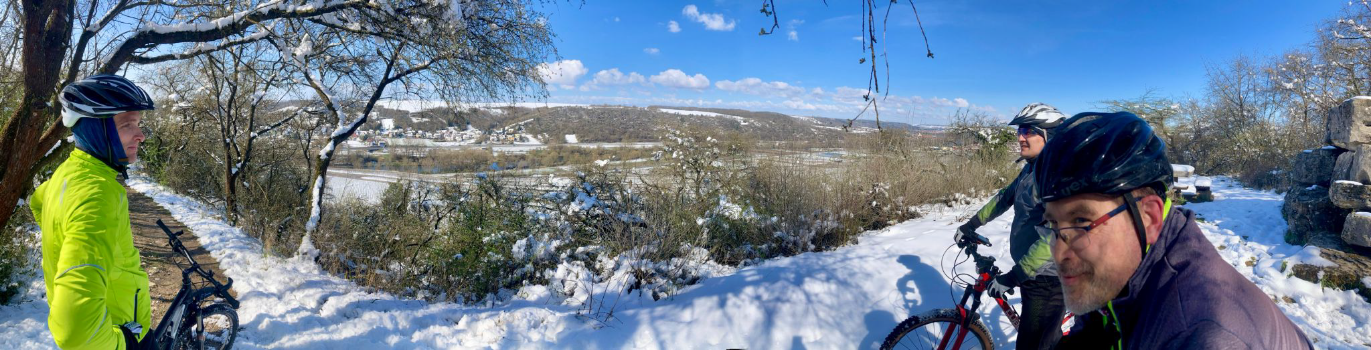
(1039, 116)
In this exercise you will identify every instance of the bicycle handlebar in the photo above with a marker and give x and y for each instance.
(976, 238)
(984, 264)
(220, 289)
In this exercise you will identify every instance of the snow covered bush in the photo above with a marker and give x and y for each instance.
(18, 258)
(632, 229)
(483, 248)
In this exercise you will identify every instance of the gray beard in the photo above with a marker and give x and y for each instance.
(1095, 294)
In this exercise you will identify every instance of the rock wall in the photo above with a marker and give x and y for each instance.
(1329, 205)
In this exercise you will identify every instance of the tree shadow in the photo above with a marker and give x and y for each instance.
(879, 323)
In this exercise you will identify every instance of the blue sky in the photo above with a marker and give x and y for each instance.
(990, 56)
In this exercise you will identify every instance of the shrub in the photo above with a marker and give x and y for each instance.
(18, 259)
(606, 231)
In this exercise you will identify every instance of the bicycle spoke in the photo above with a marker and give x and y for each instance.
(213, 331)
(930, 336)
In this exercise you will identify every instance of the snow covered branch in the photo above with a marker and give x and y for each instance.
(200, 49)
(152, 35)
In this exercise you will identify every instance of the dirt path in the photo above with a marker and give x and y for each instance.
(163, 265)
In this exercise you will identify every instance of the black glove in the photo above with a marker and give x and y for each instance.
(965, 235)
(131, 331)
(1002, 285)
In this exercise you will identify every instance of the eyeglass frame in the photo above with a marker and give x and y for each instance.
(1025, 130)
(1057, 232)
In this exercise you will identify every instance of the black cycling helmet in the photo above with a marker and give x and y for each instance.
(1106, 153)
(1039, 116)
(102, 96)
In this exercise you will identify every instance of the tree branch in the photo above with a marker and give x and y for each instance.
(200, 49)
(223, 27)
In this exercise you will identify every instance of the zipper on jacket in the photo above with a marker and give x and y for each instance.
(135, 306)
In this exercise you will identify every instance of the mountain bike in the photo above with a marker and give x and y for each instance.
(194, 320)
(948, 328)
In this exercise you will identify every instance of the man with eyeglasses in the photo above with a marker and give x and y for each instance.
(1121, 249)
(1033, 272)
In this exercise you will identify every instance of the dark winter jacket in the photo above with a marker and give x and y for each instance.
(1029, 248)
(1184, 296)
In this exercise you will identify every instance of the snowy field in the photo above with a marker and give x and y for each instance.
(842, 299)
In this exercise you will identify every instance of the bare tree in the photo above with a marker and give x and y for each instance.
(93, 36)
(1160, 112)
(233, 89)
(451, 51)
(1346, 47)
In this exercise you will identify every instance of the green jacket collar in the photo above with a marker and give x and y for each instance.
(90, 162)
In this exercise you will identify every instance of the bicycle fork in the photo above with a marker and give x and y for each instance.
(966, 314)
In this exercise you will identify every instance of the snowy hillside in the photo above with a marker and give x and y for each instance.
(842, 299)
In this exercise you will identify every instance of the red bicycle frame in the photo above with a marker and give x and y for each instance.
(985, 266)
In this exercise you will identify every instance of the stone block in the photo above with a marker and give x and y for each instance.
(1357, 163)
(1309, 212)
(1349, 123)
(1342, 168)
(1182, 170)
(1203, 183)
(1345, 273)
(1350, 195)
(1357, 229)
(1315, 166)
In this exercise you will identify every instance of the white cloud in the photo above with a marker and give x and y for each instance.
(677, 79)
(673, 27)
(562, 73)
(849, 95)
(652, 51)
(613, 76)
(755, 86)
(856, 38)
(616, 19)
(792, 34)
(961, 102)
(817, 93)
(712, 21)
(798, 104)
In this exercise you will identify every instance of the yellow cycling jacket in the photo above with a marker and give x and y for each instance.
(91, 270)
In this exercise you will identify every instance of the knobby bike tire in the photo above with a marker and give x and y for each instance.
(935, 323)
(220, 337)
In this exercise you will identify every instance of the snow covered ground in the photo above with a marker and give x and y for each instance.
(415, 106)
(703, 113)
(846, 298)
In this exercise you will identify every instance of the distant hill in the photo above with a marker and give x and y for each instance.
(605, 123)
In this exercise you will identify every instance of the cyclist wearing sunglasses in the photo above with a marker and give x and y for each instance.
(1042, 297)
(1124, 251)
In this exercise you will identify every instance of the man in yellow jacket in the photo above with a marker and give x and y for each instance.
(97, 290)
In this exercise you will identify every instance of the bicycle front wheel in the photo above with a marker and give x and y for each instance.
(216, 329)
(938, 329)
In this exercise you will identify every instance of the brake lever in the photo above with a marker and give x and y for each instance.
(979, 239)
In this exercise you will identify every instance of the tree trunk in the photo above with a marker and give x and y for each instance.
(47, 29)
(230, 189)
(340, 134)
